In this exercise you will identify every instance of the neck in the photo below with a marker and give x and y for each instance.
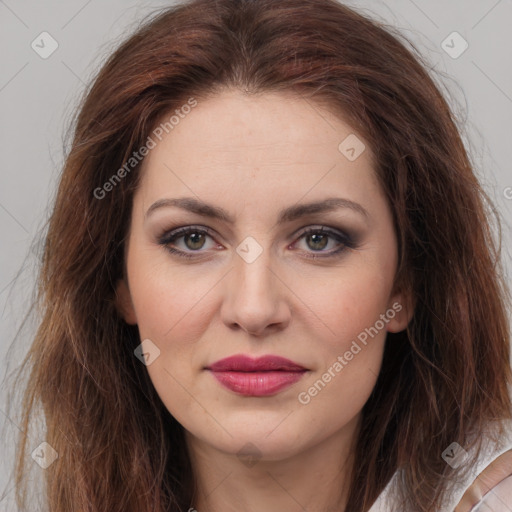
(316, 479)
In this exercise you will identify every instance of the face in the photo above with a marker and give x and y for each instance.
(244, 267)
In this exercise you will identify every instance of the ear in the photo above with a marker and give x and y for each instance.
(124, 303)
(400, 310)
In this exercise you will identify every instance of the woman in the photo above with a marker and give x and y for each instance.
(268, 276)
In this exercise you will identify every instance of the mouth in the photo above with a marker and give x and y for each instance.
(264, 376)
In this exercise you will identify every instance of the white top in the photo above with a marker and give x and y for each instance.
(495, 501)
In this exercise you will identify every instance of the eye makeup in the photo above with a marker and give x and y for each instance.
(318, 235)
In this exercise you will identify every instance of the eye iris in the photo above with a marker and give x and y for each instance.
(315, 237)
(195, 238)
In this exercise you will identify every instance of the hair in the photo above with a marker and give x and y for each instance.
(444, 379)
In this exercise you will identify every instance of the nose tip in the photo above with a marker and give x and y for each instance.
(266, 327)
(256, 333)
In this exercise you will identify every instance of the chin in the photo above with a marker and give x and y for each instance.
(259, 442)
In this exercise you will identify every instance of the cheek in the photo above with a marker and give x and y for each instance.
(170, 311)
(353, 329)
(349, 303)
(169, 303)
(352, 348)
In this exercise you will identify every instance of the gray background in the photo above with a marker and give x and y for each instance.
(38, 96)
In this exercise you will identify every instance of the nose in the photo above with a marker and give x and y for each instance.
(256, 297)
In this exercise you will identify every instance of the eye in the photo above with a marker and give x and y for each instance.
(317, 239)
(193, 240)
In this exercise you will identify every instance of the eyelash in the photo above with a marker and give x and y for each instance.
(171, 236)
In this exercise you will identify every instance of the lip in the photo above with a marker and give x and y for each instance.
(242, 363)
(263, 376)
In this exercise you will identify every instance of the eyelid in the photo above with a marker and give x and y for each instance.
(342, 237)
(173, 234)
(321, 228)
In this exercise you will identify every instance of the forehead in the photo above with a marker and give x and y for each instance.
(270, 123)
(255, 145)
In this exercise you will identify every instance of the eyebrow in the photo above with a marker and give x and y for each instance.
(289, 214)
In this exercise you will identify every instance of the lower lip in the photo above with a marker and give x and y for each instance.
(257, 383)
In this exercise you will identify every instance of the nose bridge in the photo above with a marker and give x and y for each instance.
(255, 297)
(253, 269)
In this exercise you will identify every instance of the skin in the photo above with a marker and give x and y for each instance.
(488, 479)
(253, 156)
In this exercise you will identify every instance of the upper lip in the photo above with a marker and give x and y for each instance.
(242, 363)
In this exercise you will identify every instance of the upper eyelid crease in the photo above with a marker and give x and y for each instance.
(333, 232)
(342, 238)
(287, 215)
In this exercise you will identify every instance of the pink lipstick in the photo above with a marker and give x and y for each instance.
(263, 376)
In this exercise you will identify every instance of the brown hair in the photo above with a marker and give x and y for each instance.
(443, 380)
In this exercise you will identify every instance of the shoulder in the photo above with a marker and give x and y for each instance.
(492, 488)
(498, 498)
(383, 502)
(493, 474)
